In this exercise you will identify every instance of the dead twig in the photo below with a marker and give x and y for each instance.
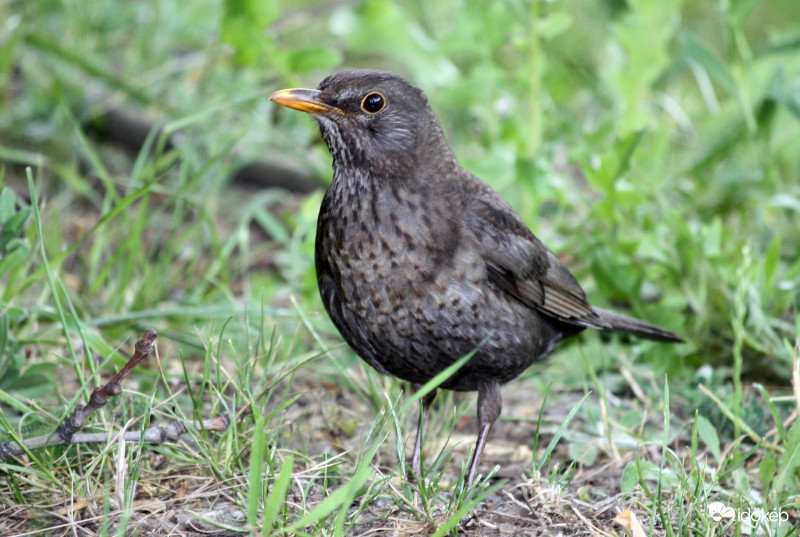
(66, 432)
(100, 396)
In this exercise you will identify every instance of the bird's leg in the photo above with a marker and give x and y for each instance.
(416, 458)
(490, 403)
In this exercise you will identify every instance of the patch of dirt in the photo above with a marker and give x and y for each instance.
(331, 421)
(522, 506)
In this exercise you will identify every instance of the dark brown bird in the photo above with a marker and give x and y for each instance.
(418, 261)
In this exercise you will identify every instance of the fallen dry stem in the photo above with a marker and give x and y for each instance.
(66, 432)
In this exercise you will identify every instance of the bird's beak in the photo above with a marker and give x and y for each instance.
(305, 100)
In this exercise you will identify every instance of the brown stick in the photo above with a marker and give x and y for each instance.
(66, 432)
(100, 396)
(151, 435)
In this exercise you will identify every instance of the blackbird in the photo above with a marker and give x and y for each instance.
(419, 262)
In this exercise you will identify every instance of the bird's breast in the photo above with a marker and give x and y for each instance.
(384, 242)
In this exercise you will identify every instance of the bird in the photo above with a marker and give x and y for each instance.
(419, 262)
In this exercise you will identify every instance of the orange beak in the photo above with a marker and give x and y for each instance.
(305, 100)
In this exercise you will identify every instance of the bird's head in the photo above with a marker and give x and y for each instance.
(372, 120)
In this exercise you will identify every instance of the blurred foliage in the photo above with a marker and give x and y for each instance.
(652, 145)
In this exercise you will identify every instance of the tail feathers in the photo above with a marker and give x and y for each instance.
(616, 322)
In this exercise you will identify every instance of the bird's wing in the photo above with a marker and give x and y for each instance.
(520, 264)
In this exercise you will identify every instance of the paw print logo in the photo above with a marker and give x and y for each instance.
(718, 510)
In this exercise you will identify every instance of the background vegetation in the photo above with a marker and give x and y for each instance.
(654, 146)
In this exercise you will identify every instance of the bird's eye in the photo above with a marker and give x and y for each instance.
(373, 102)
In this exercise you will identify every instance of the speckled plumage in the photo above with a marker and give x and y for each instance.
(418, 261)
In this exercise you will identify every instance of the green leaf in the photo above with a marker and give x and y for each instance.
(784, 92)
(740, 10)
(554, 24)
(701, 55)
(557, 436)
(7, 204)
(277, 495)
(259, 13)
(708, 434)
(14, 256)
(630, 477)
(789, 462)
(255, 478)
(766, 469)
(772, 259)
(244, 26)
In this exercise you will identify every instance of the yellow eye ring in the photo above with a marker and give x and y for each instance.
(373, 102)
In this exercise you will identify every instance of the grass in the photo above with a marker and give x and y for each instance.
(652, 146)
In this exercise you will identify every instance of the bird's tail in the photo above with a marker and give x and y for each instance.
(616, 322)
